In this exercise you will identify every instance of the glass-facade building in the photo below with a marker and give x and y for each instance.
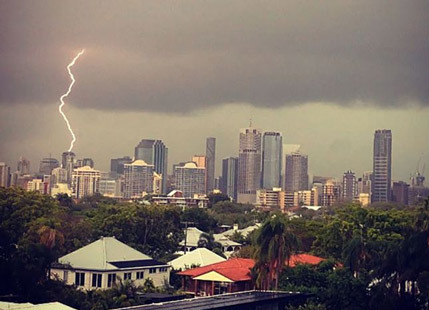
(228, 184)
(271, 160)
(382, 166)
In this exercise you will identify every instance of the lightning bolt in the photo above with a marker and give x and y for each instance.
(60, 108)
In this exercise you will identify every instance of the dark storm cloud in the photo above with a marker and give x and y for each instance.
(179, 56)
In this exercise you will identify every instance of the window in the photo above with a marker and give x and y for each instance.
(163, 269)
(66, 275)
(111, 279)
(139, 275)
(79, 279)
(152, 270)
(96, 280)
(127, 276)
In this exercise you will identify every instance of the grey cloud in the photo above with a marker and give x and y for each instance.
(180, 56)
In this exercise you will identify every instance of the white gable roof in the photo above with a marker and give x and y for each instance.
(29, 306)
(198, 257)
(98, 254)
(192, 236)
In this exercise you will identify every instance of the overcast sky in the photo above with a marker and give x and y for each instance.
(325, 74)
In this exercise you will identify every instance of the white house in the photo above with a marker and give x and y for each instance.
(101, 263)
(197, 258)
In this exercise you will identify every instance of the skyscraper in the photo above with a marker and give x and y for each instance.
(271, 160)
(249, 165)
(154, 152)
(138, 179)
(23, 166)
(211, 160)
(349, 186)
(296, 172)
(228, 184)
(68, 163)
(85, 182)
(48, 164)
(382, 166)
(4, 175)
(190, 179)
(117, 164)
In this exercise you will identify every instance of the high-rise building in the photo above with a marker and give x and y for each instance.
(211, 160)
(190, 179)
(296, 172)
(85, 182)
(306, 198)
(400, 192)
(4, 175)
(271, 160)
(117, 164)
(382, 166)
(200, 160)
(154, 152)
(364, 183)
(228, 184)
(249, 165)
(23, 166)
(68, 163)
(138, 179)
(330, 193)
(47, 165)
(270, 198)
(349, 186)
(84, 162)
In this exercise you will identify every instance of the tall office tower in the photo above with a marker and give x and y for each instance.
(382, 166)
(117, 164)
(249, 165)
(4, 175)
(47, 165)
(138, 179)
(154, 152)
(190, 179)
(271, 160)
(364, 183)
(349, 186)
(296, 172)
(211, 163)
(85, 182)
(68, 163)
(59, 176)
(228, 184)
(23, 166)
(400, 192)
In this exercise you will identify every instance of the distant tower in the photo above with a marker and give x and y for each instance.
(68, 162)
(138, 179)
(296, 172)
(154, 152)
(271, 160)
(190, 179)
(4, 175)
(211, 160)
(229, 178)
(249, 165)
(47, 165)
(117, 164)
(85, 182)
(349, 186)
(23, 166)
(382, 166)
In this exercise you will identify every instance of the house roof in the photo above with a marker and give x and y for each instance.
(304, 259)
(107, 253)
(192, 236)
(29, 306)
(244, 231)
(198, 257)
(238, 269)
(235, 269)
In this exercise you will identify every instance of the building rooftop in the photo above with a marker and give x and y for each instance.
(198, 257)
(107, 253)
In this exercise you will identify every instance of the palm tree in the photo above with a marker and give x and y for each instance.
(208, 241)
(276, 245)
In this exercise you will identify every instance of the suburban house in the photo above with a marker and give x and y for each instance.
(193, 234)
(233, 275)
(197, 258)
(101, 263)
(229, 276)
(29, 306)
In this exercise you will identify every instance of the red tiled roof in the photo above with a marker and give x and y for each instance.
(304, 259)
(235, 269)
